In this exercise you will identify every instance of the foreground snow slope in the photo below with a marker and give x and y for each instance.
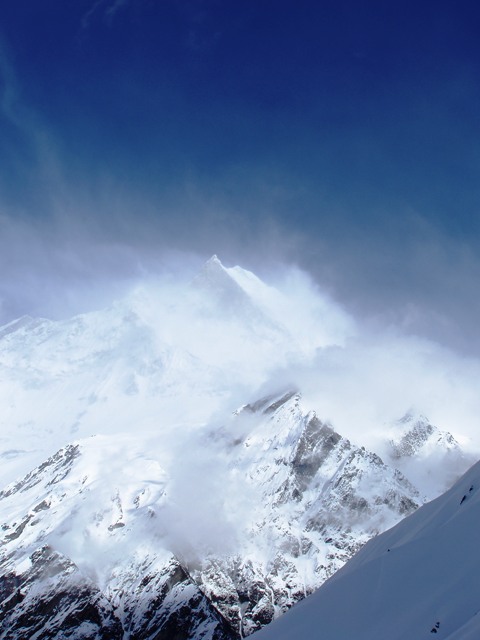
(417, 580)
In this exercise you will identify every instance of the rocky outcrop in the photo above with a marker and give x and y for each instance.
(49, 599)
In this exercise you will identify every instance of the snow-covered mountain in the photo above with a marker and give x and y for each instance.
(102, 519)
(152, 492)
(163, 355)
(431, 458)
(418, 580)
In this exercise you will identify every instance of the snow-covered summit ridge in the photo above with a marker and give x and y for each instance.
(293, 308)
(246, 280)
(215, 278)
(239, 293)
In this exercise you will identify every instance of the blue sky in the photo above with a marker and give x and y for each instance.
(343, 136)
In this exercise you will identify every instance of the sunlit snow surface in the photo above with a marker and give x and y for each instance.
(419, 580)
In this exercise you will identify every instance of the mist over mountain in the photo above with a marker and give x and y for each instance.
(188, 447)
(217, 340)
(202, 454)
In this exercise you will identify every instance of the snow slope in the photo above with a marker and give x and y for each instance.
(417, 580)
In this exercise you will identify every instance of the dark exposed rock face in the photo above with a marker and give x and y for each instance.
(166, 603)
(50, 600)
(316, 443)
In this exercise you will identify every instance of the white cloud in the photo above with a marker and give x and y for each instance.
(374, 380)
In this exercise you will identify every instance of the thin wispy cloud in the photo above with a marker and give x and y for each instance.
(10, 91)
(112, 9)
(106, 9)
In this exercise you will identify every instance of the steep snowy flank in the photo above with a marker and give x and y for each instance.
(418, 580)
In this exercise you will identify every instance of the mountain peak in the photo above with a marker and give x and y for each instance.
(216, 279)
(213, 264)
(213, 268)
(418, 433)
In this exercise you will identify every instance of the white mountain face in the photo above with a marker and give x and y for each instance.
(139, 504)
(160, 356)
(418, 580)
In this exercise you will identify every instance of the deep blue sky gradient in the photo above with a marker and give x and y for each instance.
(349, 129)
